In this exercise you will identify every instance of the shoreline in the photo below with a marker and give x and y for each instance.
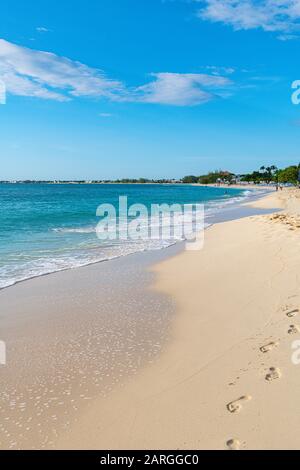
(74, 336)
(237, 186)
(78, 301)
(219, 380)
(215, 217)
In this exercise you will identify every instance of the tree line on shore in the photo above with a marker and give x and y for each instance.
(266, 174)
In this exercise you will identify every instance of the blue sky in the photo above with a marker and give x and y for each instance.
(129, 88)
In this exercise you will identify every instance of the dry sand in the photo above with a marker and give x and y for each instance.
(225, 380)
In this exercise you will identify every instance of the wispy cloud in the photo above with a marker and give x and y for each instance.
(181, 89)
(216, 70)
(42, 29)
(28, 72)
(270, 15)
(287, 37)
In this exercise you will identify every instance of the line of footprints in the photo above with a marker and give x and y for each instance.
(274, 373)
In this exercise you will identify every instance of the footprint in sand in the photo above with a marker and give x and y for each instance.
(293, 329)
(268, 347)
(273, 374)
(236, 406)
(233, 444)
(292, 313)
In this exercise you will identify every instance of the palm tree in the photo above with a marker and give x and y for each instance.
(269, 172)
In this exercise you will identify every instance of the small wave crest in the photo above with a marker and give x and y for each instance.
(73, 252)
(74, 229)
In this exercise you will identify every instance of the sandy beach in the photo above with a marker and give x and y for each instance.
(149, 229)
(172, 350)
(225, 379)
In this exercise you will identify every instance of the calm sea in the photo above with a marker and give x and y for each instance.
(49, 228)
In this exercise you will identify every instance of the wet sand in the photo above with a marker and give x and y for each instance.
(78, 339)
(71, 337)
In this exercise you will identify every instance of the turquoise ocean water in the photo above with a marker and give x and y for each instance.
(49, 228)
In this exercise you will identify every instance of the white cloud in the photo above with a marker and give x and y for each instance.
(105, 115)
(287, 37)
(42, 29)
(181, 89)
(270, 15)
(216, 70)
(28, 72)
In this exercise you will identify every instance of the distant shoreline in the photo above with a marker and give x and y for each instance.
(232, 186)
(87, 183)
(237, 186)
